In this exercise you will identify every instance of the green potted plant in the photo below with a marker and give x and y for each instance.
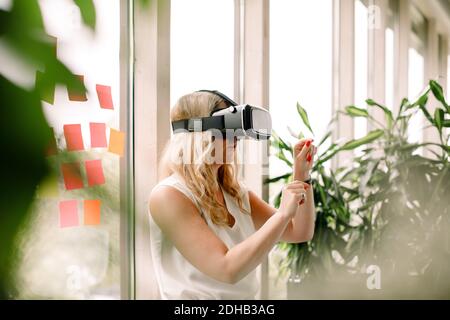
(388, 209)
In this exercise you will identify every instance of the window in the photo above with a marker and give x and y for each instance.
(416, 73)
(390, 45)
(71, 249)
(300, 71)
(361, 65)
(202, 47)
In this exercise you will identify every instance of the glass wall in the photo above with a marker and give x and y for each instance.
(300, 72)
(361, 65)
(71, 247)
(416, 72)
(202, 47)
(390, 47)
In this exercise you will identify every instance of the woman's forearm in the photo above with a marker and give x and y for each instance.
(247, 255)
(304, 220)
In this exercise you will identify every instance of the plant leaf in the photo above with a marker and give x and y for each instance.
(87, 10)
(439, 93)
(439, 118)
(371, 136)
(302, 112)
(387, 112)
(356, 112)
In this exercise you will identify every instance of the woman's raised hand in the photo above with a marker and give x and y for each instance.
(304, 152)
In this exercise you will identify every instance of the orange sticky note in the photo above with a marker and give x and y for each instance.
(45, 86)
(104, 96)
(98, 135)
(92, 212)
(94, 172)
(72, 175)
(75, 93)
(74, 139)
(68, 213)
(116, 142)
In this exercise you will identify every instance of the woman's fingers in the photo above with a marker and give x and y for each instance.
(306, 148)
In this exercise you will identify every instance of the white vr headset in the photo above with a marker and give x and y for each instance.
(235, 121)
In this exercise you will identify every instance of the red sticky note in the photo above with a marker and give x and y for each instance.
(94, 172)
(52, 149)
(98, 135)
(68, 213)
(92, 212)
(74, 138)
(116, 142)
(45, 86)
(76, 93)
(72, 175)
(104, 96)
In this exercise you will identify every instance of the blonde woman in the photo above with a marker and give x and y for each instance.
(208, 231)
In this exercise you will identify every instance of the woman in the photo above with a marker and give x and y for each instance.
(208, 231)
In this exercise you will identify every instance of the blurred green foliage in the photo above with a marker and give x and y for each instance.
(388, 207)
(25, 133)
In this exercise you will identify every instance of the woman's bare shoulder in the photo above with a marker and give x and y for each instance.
(169, 201)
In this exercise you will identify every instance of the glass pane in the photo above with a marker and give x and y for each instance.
(202, 47)
(300, 71)
(415, 86)
(448, 77)
(71, 247)
(389, 85)
(392, 14)
(416, 73)
(361, 65)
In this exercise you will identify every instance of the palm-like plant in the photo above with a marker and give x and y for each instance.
(388, 208)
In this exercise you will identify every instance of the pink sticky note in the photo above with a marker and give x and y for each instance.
(116, 142)
(104, 96)
(94, 172)
(74, 139)
(68, 213)
(72, 175)
(98, 135)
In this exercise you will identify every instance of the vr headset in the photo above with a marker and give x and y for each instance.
(235, 121)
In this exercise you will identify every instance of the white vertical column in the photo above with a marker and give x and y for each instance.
(443, 63)
(431, 73)
(401, 57)
(256, 91)
(126, 162)
(151, 124)
(343, 72)
(377, 56)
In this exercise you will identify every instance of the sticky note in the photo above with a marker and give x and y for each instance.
(104, 96)
(72, 175)
(98, 135)
(53, 42)
(74, 138)
(94, 172)
(68, 213)
(75, 93)
(52, 149)
(92, 212)
(116, 142)
(45, 86)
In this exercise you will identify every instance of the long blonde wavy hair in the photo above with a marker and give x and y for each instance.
(197, 172)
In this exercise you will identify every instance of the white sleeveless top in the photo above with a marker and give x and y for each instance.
(178, 278)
